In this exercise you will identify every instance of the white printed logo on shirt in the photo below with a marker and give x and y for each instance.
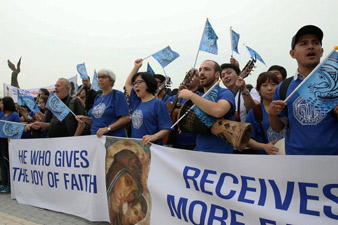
(137, 119)
(305, 113)
(99, 110)
(275, 136)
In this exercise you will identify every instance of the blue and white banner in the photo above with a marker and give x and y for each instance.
(81, 68)
(183, 187)
(95, 84)
(10, 129)
(165, 56)
(57, 107)
(189, 187)
(9, 90)
(28, 101)
(209, 39)
(320, 88)
(150, 70)
(255, 55)
(61, 174)
(234, 41)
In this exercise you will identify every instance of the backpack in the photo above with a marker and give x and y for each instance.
(258, 113)
(283, 90)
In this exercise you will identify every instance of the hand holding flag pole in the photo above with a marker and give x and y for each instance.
(192, 107)
(165, 56)
(325, 72)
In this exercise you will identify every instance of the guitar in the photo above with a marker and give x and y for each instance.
(187, 79)
(245, 72)
(173, 106)
(165, 84)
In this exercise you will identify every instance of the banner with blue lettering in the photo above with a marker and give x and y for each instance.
(61, 174)
(161, 185)
(189, 187)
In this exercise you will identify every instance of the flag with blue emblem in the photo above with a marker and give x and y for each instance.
(95, 84)
(81, 68)
(205, 118)
(209, 39)
(165, 56)
(150, 70)
(234, 41)
(28, 101)
(320, 87)
(254, 54)
(57, 107)
(10, 129)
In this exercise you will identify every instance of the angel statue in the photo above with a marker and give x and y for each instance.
(16, 71)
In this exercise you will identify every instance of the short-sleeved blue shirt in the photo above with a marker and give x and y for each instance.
(310, 132)
(107, 109)
(269, 133)
(212, 143)
(148, 117)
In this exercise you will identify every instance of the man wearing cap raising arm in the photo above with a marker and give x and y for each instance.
(310, 132)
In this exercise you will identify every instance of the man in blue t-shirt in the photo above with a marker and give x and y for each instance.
(223, 104)
(310, 132)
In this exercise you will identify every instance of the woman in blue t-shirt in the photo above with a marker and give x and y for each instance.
(9, 114)
(263, 137)
(150, 116)
(109, 114)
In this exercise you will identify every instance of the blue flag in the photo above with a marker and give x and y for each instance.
(235, 40)
(81, 68)
(28, 101)
(95, 84)
(320, 88)
(57, 107)
(165, 56)
(209, 40)
(255, 55)
(150, 70)
(11, 129)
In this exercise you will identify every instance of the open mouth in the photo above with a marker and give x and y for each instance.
(311, 54)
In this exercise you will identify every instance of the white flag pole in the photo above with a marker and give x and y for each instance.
(198, 51)
(232, 51)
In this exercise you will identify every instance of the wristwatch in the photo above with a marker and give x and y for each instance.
(108, 128)
(246, 92)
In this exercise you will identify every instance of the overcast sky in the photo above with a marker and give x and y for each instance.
(53, 36)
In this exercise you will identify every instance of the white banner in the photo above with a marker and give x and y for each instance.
(61, 174)
(190, 187)
(11, 91)
(183, 187)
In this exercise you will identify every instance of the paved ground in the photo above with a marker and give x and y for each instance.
(11, 213)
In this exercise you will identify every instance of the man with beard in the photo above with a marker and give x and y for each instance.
(68, 126)
(310, 132)
(220, 104)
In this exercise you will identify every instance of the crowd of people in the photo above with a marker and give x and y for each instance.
(146, 107)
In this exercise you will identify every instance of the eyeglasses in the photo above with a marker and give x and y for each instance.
(138, 82)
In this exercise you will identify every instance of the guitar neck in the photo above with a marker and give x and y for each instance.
(235, 90)
(172, 107)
